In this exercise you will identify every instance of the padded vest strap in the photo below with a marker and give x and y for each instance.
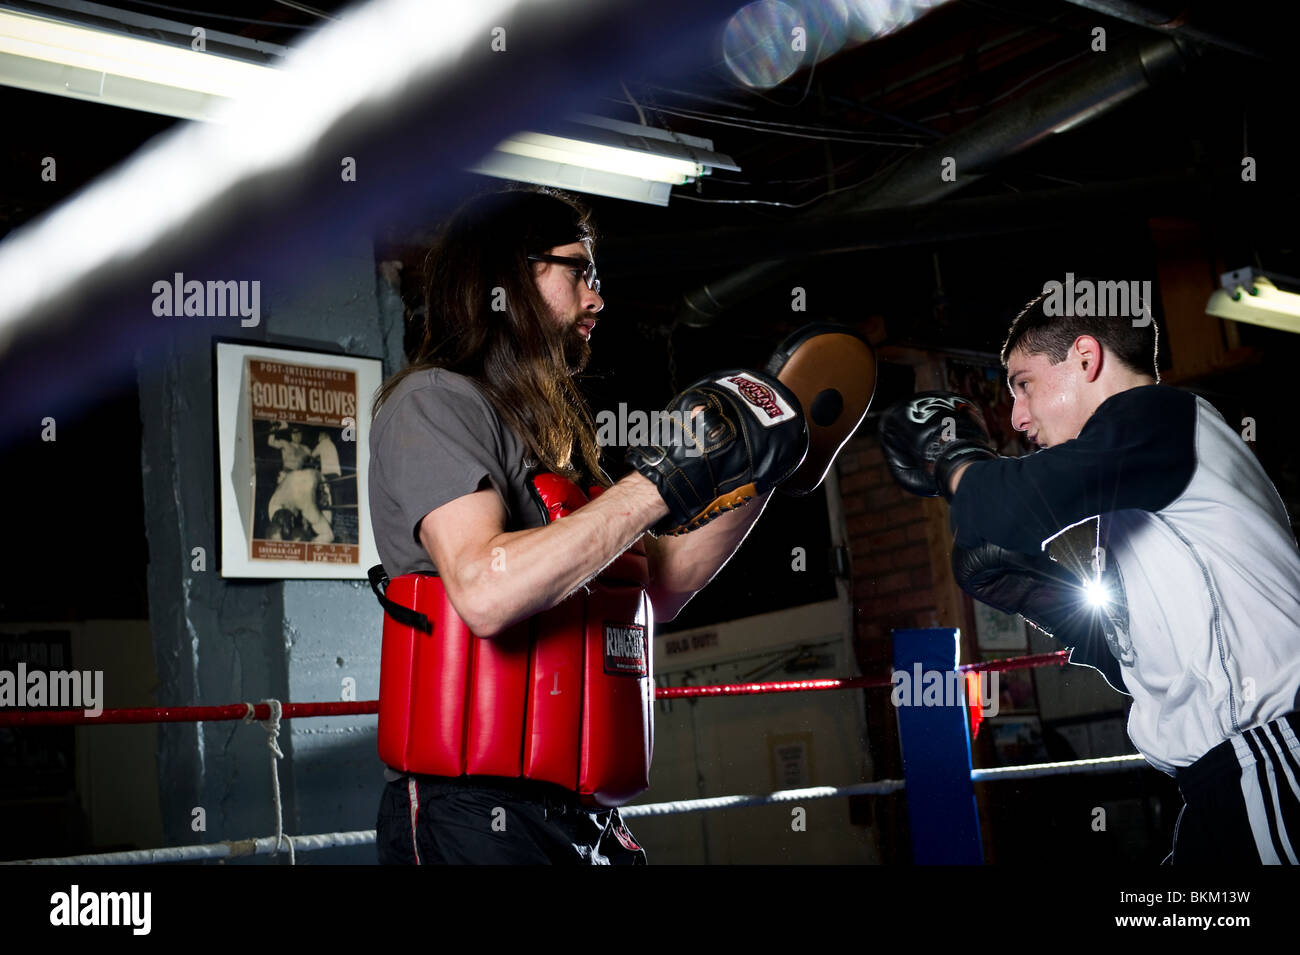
(403, 615)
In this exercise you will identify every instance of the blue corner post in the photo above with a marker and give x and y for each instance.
(933, 732)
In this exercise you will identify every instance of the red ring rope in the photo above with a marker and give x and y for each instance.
(789, 686)
(262, 711)
(185, 714)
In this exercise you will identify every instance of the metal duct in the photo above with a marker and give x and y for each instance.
(1144, 16)
(951, 221)
(1057, 106)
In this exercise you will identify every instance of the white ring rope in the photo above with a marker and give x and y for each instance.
(231, 849)
(880, 787)
(1102, 764)
(269, 845)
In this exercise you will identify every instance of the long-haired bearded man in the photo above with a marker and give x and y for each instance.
(486, 483)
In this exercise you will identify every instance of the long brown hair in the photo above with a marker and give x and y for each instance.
(485, 318)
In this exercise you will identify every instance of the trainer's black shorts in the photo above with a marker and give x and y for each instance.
(485, 820)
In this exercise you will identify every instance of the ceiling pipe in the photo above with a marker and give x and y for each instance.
(951, 221)
(1143, 15)
(1058, 105)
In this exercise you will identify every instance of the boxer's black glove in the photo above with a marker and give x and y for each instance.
(1046, 594)
(749, 436)
(925, 437)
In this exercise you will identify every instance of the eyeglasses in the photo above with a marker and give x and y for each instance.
(588, 267)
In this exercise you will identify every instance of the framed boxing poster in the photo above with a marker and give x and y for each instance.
(995, 630)
(292, 461)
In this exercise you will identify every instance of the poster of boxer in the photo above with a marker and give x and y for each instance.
(304, 465)
(292, 469)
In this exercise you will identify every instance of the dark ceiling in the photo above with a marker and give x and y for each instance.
(946, 271)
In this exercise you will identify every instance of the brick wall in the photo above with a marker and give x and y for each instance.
(889, 539)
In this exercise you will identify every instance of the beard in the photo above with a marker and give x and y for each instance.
(577, 350)
(564, 343)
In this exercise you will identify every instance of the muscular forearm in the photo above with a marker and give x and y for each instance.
(525, 572)
(685, 564)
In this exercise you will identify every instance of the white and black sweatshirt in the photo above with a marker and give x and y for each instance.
(1200, 560)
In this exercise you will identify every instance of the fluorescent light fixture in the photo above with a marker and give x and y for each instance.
(51, 56)
(604, 157)
(585, 153)
(1250, 296)
(574, 152)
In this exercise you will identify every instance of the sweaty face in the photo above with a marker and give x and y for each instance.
(1048, 399)
(573, 306)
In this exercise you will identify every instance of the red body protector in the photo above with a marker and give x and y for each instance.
(563, 697)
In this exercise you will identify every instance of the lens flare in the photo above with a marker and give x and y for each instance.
(1096, 593)
(758, 43)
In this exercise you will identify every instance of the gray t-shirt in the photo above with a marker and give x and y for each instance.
(435, 439)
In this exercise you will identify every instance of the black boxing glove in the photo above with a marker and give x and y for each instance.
(927, 436)
(1046, 594)
(749, 436)
(1032, 585)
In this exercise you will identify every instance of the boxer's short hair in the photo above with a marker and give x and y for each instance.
(1037, 333)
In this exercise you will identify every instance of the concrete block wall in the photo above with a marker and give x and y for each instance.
(220, 640)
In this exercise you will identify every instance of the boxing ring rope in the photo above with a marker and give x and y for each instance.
(266, 845)
(880, 787)
(189, 714)
(263, 710)
(1100, 764)
(920, 761)
(230, 849)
